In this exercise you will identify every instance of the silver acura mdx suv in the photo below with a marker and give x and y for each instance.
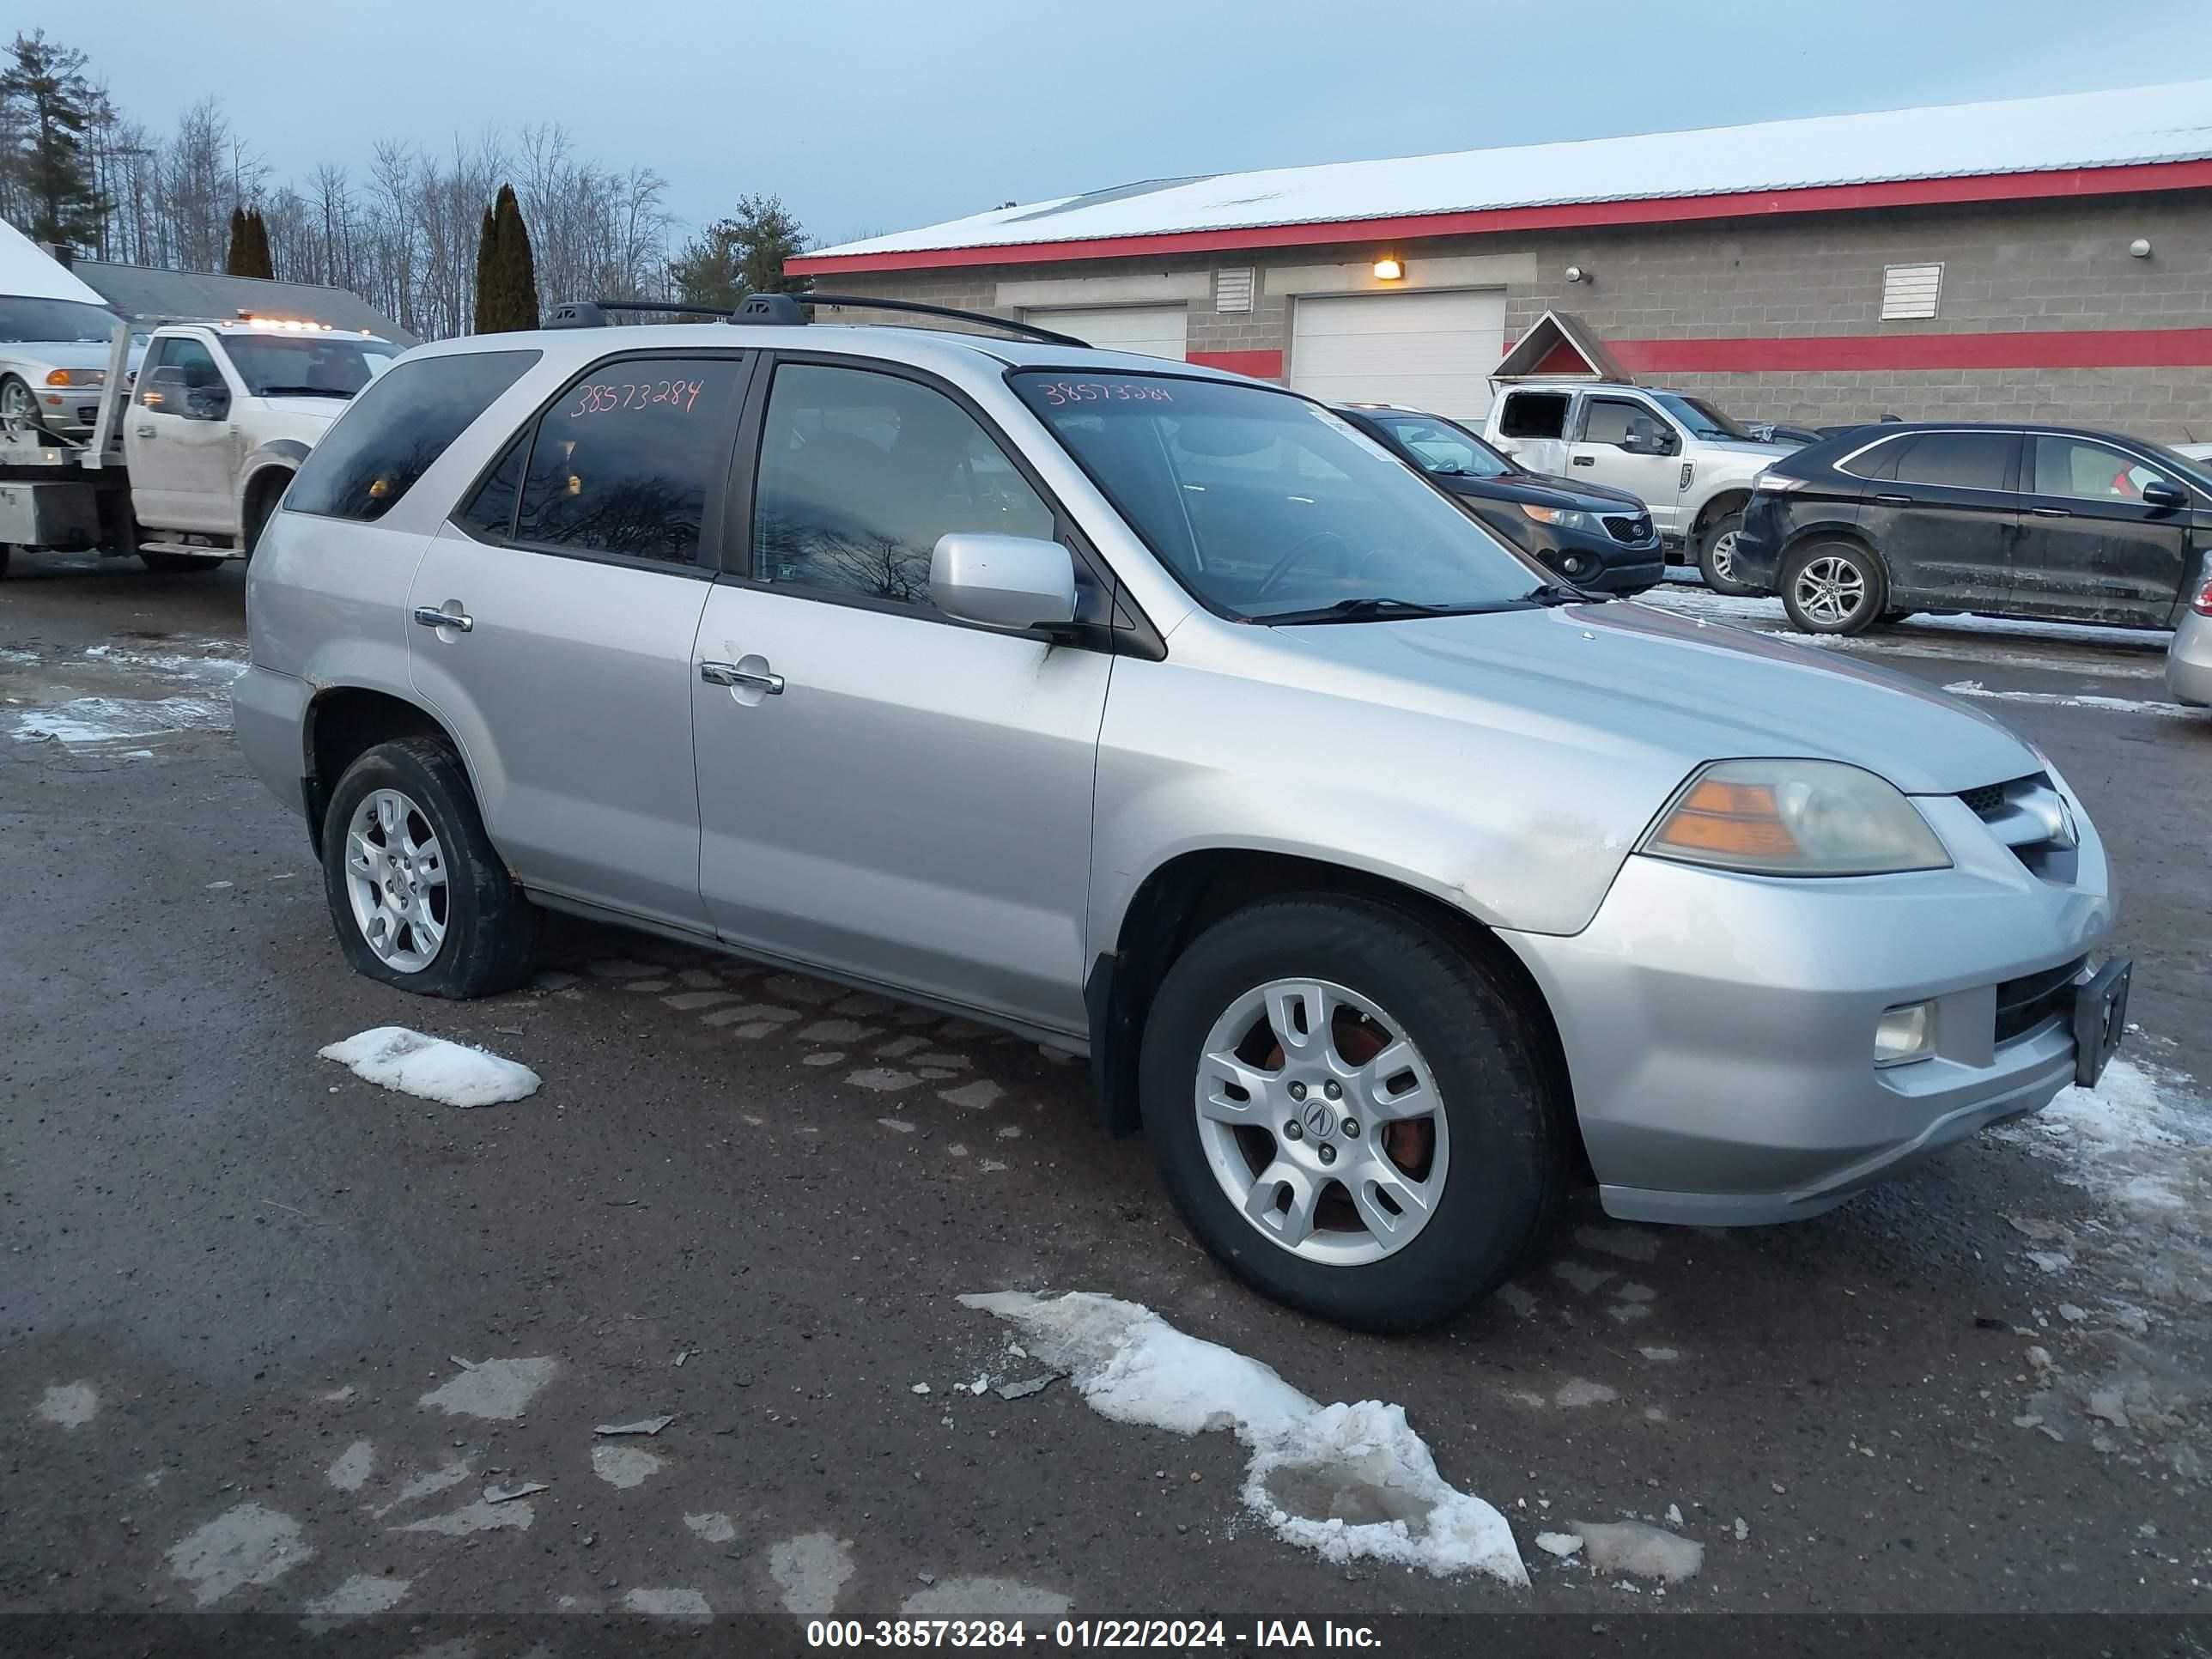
(1155, 713)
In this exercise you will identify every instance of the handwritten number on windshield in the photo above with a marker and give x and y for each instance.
(606, 397)
(1059, 392)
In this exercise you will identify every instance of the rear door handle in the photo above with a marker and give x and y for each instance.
(2051, 512)
(1893, 500)
(728, 673)
(431, 616)
(1585, 460)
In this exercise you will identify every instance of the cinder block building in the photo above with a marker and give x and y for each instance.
(2046, 258)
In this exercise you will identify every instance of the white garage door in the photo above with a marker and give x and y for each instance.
(1431, 351)
(1155, 330)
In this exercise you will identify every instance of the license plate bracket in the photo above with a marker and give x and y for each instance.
(2101, 1019)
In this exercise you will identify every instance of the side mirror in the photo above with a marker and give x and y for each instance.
(207, 403)
(2157, 492)
(1002, 581)
(1647, 437)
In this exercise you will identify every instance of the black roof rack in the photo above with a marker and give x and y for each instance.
(792, 308)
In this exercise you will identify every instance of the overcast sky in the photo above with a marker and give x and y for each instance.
(867, 117)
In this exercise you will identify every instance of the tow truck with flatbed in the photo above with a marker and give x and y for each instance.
(192, 440)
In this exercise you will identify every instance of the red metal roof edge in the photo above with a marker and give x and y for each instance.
(1649, 209)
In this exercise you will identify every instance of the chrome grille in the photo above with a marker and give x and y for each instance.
(2032, 817)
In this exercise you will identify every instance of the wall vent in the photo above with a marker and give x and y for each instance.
(1910, 291)
(1232, 289)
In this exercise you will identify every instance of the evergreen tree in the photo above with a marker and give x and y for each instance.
(260, 261)
(240, 251)
(487, 313)
(44, 88)
(518, 268)
(740, 255)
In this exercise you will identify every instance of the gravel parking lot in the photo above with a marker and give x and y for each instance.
(273, 1339)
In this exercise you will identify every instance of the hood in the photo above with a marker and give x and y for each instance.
(1763, 454)
(60, 354)
(1543, 490)
(303, 417)
(1675, 691)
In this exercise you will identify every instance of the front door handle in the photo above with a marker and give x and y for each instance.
(728, 673)
(1585, 460)
(2051, 512)
(431, 616)
(145, 431)
(1893, 500)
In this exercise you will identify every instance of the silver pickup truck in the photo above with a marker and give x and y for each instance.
(1685, 461)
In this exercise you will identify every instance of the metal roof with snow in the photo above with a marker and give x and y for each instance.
(2073, 143)
(145, 291)
(28, 271)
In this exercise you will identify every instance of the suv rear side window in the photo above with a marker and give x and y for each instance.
(1956, 460)
(627, 458)
(391, 433)
(861, 473)
(1533, 414)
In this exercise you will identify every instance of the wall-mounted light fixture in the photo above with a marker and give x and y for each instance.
(1387, 269)
(1576, 274)
(2140, 247)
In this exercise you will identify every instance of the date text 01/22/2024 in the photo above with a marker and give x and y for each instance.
(1178, 1635)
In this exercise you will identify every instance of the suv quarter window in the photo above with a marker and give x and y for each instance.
(1957, 460)
(400, 423)
(861, 470)
(1533, 414)
(628, 461)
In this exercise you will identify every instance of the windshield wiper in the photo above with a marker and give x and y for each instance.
(1350, 611)
(1559, 594)
(300, 391)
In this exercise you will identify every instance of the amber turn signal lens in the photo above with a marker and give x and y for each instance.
(1718, 816)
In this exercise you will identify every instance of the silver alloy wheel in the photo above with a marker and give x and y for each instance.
(1300, 1135)
(395, 879)
(19, 409)
(1723, 554)
(1831, 589)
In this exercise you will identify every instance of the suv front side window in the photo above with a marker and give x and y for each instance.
(861, 471)
(625, 461)
(2081, 471)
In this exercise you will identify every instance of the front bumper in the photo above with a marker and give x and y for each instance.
(1719, 1029)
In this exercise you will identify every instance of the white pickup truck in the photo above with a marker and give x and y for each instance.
(1686, 461)
(187, 455)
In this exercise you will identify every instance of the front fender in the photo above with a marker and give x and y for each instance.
(286, 453)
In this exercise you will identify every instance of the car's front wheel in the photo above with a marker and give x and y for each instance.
(420, 898)
(1834, 588)
(1716, 555)
(1349, 1113)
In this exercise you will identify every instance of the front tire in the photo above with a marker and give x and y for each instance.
(1834, 588)
(1348, 1112)
(1716, 548)
(420, 898)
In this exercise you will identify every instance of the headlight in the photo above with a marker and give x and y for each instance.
(1564, 518)
(76, 376)
(1795, 817)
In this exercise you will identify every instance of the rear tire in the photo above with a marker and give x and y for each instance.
(1834, 588)
(452, 922)
(1714, 543)
(1482, 1165)
(179, 564)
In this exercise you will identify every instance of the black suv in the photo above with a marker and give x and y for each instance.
(2047, 522)
(1600, 539)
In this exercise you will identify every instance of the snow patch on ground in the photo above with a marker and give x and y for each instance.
(1344, 1481)
(984, 1598)
(685, 1604)
(245, 1544)
(2058, 700)
(69, 1406)
(2142, 1139)
(623, 1465)
(110, 720)
(497, 1388)
(1639, 1550)
(393, 1057)
(811, 1569)
(360, 1596)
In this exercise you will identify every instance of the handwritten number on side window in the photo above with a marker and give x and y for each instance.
(1059, 393)
(607, 397)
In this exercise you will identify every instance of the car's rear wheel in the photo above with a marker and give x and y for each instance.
(180, 564)
(420, 899)
(1348, 1112)
(1716, 556)
(1833, 588)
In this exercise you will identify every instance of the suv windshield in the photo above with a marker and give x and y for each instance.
(308, 365)
(45, 320)
(1700, 417)
(1263, 504)
(1441, 446)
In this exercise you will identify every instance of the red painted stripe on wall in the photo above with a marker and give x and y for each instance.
(1666, 210)
(1263, 365)
(2097, 347)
